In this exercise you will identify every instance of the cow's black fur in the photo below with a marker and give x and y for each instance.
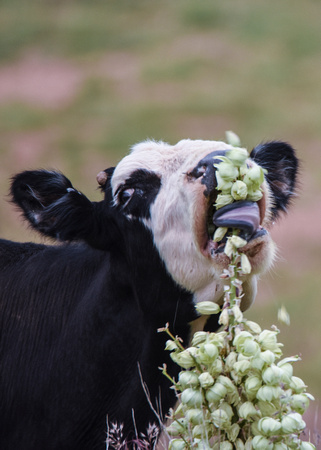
(77, 320)
(82, 350)
(282, 166)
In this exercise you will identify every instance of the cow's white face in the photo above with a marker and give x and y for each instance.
(179, 210)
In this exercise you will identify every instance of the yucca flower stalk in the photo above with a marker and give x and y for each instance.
(234, 390)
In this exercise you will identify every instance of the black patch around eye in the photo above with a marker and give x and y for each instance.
(146, 186)
(206, 169)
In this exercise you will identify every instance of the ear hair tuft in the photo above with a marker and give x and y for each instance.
(102, 178)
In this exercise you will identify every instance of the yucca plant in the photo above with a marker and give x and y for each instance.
(234, 390)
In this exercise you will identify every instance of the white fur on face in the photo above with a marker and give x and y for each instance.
(178, 218)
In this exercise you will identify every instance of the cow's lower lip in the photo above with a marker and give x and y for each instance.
(251, 248)
(260, 232)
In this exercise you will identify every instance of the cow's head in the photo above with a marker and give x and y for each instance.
(170, 191)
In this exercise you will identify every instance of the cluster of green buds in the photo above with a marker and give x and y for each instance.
(235, 180)
(234, 390)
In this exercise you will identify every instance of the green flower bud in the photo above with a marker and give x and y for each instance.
(297, 385)
(233, 397)
(306, 446)
(237, 313)
(272, 375)
(283, 316)
(183, 359)
(254, 177)
(239, 444)
(232, 138)
(253, 326)
(280, 446)
(199, 431)
(232, 434)
(236, 377)
(199, 337)
(224, 318)
(179, 426)
(292, 423)
(254, 429)
(287, 372)
(237, 241)
(238, 156)
(287, 360)
(230, 360)
(195, 416)
(227, 170)
(245, 264)
(240, 339)
(223, 200)
(192, 398)
(188, 379)
(217, 339)
(261, 443)
(227, 382)
(239, 190)
(254, 196)
(269, 426)
(257, 362)
(206, 380)
(225, 445)
(221, 419)
(248, 411)
(252, 385)
(177, 444)
(207, 353)
(215, 393)
(207, 308)
(216, 367)
(219, 234)
(300, 403)
(224, 406)
(171, 345)
(268, 340)
(222, 185)
(250, 347)
(267, 356)
(268, 393)
(242, 367)
(266, 408)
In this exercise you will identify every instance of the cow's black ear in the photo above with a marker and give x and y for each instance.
(281, 163)
(53, 206)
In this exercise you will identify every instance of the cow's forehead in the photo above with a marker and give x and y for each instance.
(164, 159)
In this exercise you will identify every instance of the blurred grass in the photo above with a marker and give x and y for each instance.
(170, 70)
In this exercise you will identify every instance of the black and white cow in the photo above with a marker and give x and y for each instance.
(79, 320)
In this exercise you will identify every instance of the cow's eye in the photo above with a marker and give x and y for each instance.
(125, 195)
(197, 172)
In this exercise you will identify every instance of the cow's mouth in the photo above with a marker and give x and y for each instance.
(246, 216)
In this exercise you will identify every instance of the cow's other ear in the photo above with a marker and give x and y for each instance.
(53, 206)
(279, 159)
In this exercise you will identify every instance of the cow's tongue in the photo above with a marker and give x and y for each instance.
(244, 215)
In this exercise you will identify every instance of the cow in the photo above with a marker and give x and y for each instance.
(79, 348)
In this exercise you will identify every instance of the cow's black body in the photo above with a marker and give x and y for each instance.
(82, 320)
(79, 320)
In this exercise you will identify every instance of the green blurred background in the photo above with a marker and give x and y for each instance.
(81, 81)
